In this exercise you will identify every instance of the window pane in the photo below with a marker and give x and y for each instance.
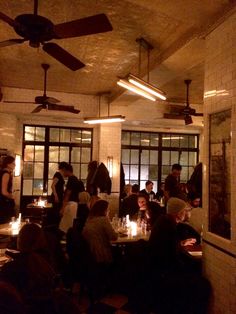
(144, 173)
(166, 140)
(28, 171)
(75, 154)
(153, 157)
(39, 153)
(165, 170)
(54, 153)
(145, 157)
(166, 158)
(76, 136)
(76, 170)
(125, 138)
(54, 135)
(142, 185)
(38, 170)
(184, 174)
(40, 134)
(126, 171)
(52, 168)
(125, 156)
(135, 138)
(29, 153)
(65, 135)
(184, 159)
(29, 133)
(192, 158)
(192, 141)
(134, 156)
(184, 141)
(49, 187)
(174, 140)
(154, 139)
(84, 171)
(64, 154)
(38, 187)
(133, 172)
(86, 155)
(174, 158)
(145, 141)
(27, 187)
(86, 137)
(153, 173)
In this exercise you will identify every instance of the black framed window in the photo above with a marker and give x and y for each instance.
(44, 147)
(149, 155)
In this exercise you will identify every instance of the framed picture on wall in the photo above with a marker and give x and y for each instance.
(220, 173)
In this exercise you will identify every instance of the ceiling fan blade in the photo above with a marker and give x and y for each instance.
(173, 116)
(38, 108)
(11, 42)
(62, 108)
(18, 102)
(188, 119)
(198, 114)
(86, 26)
(52, 100)
(7, 19)
(63, 56)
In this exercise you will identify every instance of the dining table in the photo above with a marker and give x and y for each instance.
(8, 230)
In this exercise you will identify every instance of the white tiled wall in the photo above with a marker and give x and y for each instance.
(220, 89)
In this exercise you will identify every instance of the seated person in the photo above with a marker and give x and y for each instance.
(98, 232)
(175, 286)
(161, 191)
(129, 206)
(149, 190)
(30, 272)
(149, 211)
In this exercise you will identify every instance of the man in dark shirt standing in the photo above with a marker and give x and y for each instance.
(172, 183)
(70, 201)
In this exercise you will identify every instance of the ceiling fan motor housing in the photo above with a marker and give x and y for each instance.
(35, 28)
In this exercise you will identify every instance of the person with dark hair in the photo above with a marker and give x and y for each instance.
(7, 203)
(57, 186)
(172, 183)
(129, 206)
(30, 271)
(70, 201)
(149, 190)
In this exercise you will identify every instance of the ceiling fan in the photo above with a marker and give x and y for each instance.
(184, 113)
(38, 30)
(45, 102)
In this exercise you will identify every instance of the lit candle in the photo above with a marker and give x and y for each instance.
(133, 226)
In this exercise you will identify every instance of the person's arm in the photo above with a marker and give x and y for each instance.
(109, 230)
(65, 200)
(5, 180)
(53, 186)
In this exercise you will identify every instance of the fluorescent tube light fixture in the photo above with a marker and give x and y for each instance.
(106, 119)
(126, 84)
(146, 87)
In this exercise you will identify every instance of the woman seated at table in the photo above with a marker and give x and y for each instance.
(148, 211)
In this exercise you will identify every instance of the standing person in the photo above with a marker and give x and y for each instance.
(172, 183)
(70, 200)
(7, 203)
(149, 190)
(57, 186)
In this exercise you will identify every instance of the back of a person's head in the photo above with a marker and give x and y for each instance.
(143, 195)
(69, 168)
(84, 197)
(6, 161)
(99, 208)
(176, 167)
(62, 165)
(135, 188)
(31, 239)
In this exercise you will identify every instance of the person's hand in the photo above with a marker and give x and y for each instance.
(187, 242)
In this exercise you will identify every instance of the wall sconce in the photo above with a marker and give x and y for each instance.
(17, 170)
(110, 165)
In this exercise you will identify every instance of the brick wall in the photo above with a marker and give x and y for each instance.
(220, 81)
